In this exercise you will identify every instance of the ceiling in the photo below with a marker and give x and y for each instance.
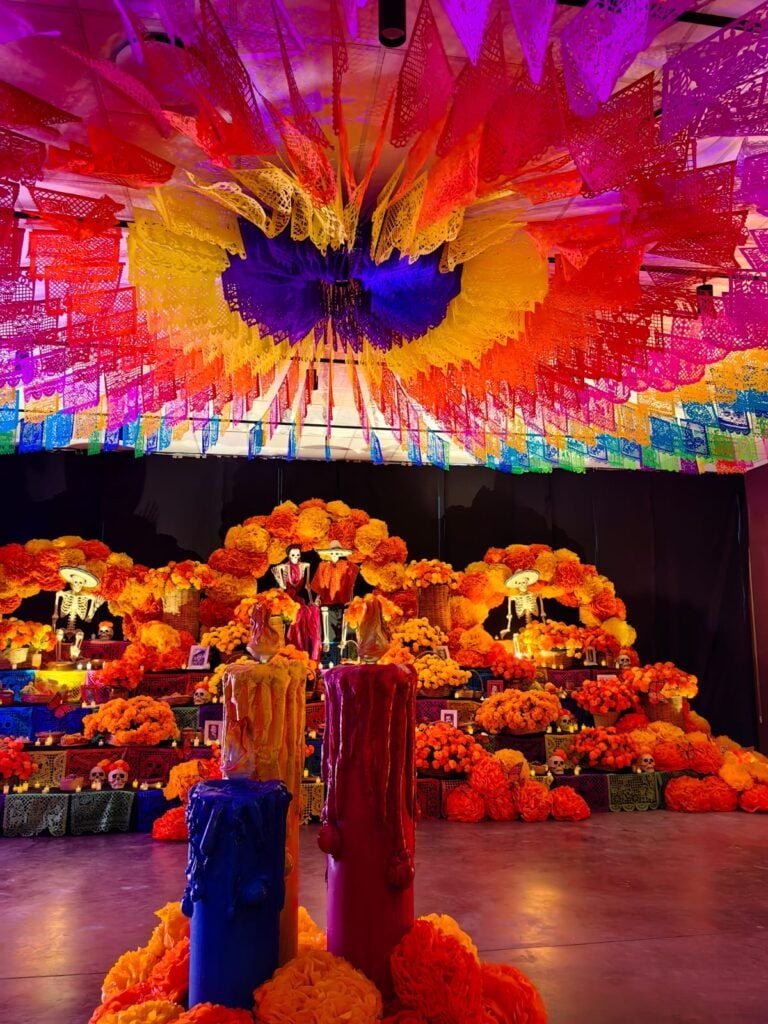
(37, 54)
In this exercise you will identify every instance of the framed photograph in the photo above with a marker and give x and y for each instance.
(452, 717)
(442, 652)
(199, 657)
(212, 731)
(493, 686)
(590, 656)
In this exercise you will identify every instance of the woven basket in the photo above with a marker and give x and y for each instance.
(432, 604)
(610, 718)
(180, 610)
(665, 711)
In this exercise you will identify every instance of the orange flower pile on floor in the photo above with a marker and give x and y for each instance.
(604, 748)
(15, 762)
(171, 827)
(139, 720)
(708, 794)
(662, 680)
(603, 696)
(533, 801)
(317, 988)
(505, 664)
(443, 749)
(568, 805)
(436, 975)
(522, 711)
(464, 804)
(755, 798)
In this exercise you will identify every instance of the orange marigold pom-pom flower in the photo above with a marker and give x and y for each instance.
(170, 975)
(534, 802)
(703, 755)
(488, 778)
(434, 974)
(406, 1017)
(631, 721)
(509, 997)
(721, 796)
(568, 805)
(171, 827)
(501, 806)
(213, 1013)
(755, 799)
(696, 795)
(464, 804)
(317, 988)
(669, 756)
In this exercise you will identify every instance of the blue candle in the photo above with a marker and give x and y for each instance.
(235, 887)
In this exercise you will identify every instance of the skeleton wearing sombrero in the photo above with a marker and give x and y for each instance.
(334, 582)
(525, 604)
(76, 603)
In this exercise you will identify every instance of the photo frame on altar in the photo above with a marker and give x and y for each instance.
(590, 657)
(441, 652)
(494, 686)
(199, 657)
(212, 731)
(451, 717)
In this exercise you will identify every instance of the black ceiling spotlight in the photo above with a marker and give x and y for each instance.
(705, 299)
(391, 22)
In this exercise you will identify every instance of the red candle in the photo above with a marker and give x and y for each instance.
(368, 818)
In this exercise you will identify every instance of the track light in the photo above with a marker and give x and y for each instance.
(391, 22)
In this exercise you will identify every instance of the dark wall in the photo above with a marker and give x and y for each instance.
(757, 503)
(675, 546)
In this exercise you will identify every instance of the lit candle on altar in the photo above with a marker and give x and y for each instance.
(174, 744)
(46, 789)
(135, 783)
(78, 789)
(88, 666)
(306, 773)
(235, 889)
(144, 786)
(368, 820)
(577, 770)
(96, 784)
(49, 741)
(6, 788)
(196, 741)
(37, 742)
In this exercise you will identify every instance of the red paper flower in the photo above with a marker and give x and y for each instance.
(755, 798)
(631, 721)
(509, 997)
(669, 756)
(568, 805)
(212, 1013)
(501, 806)
(534, 802)
(172, 826)
(169, 977)
(464, 804)
(487, 777)
(697, 795)
(435, 974)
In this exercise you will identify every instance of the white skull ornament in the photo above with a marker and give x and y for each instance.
(557, 761)
(200, 695)
(623, 661)
(106, 630)
(566, 722)
(97, 774)
(645, 762)
(118, 778)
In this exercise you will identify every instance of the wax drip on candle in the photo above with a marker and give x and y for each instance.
(376, 739)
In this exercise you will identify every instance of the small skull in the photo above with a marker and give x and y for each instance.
(566, 722)
(200, 695)
(106, 630)
(98, 774)
(645, 762)
(118, 778)
(623, 661)
(556, 762)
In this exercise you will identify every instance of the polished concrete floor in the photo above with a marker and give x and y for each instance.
(651, 918)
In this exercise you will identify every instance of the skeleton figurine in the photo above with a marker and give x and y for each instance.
(645, 762)
(292, 576)
(557, 761)
(333, 582)
(201, 695)
(118, 774)
(77, 603)
(98, 774)
(525, 605)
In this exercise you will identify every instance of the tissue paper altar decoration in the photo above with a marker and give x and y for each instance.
(368, 820)
(235, 887)
(264, 739)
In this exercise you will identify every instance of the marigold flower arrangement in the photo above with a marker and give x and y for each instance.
(227, 638)
(418, 635)
(43, 638)
(15, 762)
(140, 721)
(355, 610)
(601, 641)
(186, 575)
(603, 696)
(442, 748)
(166, 646)
(505, 664)
(428, 572)
(539, 638)
(15, 633)
(126, 671)
(519, 711)
(276, 602)
(662, 680)
(434, 673)
(604, 748)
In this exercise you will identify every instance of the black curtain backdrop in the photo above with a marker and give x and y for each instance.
(675, 546)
